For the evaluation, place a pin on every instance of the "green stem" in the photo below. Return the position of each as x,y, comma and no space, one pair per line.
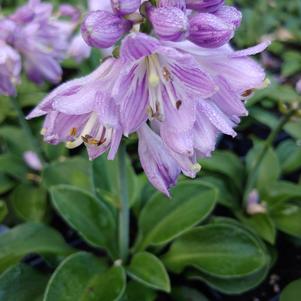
267,144
124,213
26,129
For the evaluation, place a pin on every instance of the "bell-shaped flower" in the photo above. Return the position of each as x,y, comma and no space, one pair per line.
159,83
102,29
204,5
181,4
169,23
10,68
125,7
81,111
207,30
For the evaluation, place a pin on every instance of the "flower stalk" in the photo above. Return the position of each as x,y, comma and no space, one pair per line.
124,211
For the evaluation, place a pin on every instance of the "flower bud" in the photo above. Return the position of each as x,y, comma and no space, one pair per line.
230,15
125,7
67,10
181,4
78,49
209,31
204,5
298,86
32,160
102,29
169,23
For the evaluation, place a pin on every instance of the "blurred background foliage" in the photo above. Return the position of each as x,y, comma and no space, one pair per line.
25,194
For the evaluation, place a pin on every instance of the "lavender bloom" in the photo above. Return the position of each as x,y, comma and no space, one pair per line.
32,160
99,5
204,5
78,49
169,23
125,7
93,117
229,15
10,68
67,10
103,29
207,30
160,167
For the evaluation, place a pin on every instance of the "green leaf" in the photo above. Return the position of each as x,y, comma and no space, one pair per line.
5,107
289,154
27,239
287,218
222,250
137,291
13,166
186,293
3,210
22,283
6,183
227,164
231,286
292,292
269,168
262,224
29,202
149,270
109,286
73,277
76,172
163,219
87,215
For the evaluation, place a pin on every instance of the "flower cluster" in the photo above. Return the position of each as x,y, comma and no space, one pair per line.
38,39
176,82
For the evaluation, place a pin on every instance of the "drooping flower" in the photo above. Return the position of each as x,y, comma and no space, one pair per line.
78,49
125,7
204,5
10,68
32,160
92,119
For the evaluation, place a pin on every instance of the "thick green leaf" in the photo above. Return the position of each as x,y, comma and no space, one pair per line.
76,172
22,283
109,286
281,192
226,163
6,183
262,224
186,293
222,250
29,202
27,239
137,291
87,215
234,285
150,271
163,219
12,165
5,107
287,218
3,210
289,154
269,168
73,277
292,292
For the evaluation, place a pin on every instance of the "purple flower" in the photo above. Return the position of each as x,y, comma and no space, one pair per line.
80,111
32,160
67,10
99,5
10,68
102,29
125,7
207,30
169,23
78,49
298,86
159,83
204,5
181,4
